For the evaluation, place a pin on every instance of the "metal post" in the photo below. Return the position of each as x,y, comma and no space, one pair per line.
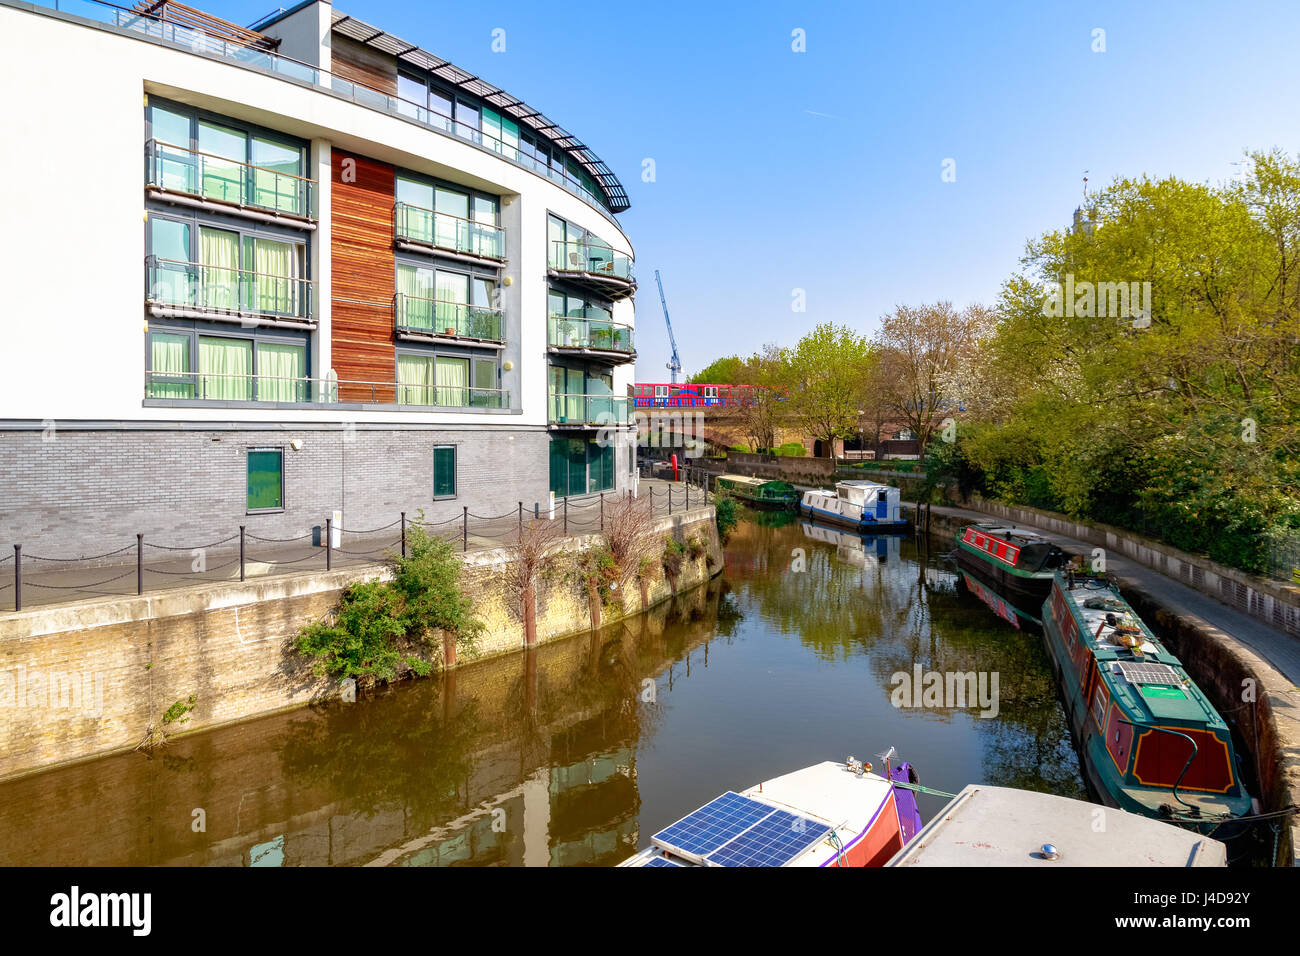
670,499
521,521
403,534
566,514
464,529
537,511
329,543
602,511
688,490
139,564
241,552
18,577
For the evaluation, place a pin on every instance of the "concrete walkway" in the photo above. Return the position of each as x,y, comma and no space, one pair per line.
168,566
1279,649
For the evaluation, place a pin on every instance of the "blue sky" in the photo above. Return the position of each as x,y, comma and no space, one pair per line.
821,170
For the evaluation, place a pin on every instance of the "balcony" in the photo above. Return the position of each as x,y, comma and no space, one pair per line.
429,231
439,320
195,290
221,388
594,265
597,337
587,411
189,177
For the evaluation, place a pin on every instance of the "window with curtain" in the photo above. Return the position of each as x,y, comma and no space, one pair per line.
575,405
271,260
444,471
226,149
275,180
219,269
452,380
556,390
451,229
169,366
415,212
265,479
415,380
173,279
281,372
453,297
415,286
225,369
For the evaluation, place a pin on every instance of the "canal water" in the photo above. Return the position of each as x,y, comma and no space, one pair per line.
577,752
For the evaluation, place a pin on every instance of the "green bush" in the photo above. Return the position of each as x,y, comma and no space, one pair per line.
791,449
383,628
727,515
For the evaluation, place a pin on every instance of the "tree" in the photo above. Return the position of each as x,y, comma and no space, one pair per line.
927,349
721,371
759,406
824,374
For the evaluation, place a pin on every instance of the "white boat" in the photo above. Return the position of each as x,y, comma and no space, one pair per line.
829,814
866,506
1001,826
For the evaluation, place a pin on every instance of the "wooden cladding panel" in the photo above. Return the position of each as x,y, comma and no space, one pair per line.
361,64
363,272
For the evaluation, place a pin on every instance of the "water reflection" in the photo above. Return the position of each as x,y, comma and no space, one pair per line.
574,753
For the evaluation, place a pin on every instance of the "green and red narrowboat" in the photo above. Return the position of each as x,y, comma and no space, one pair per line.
1017,561
1150,741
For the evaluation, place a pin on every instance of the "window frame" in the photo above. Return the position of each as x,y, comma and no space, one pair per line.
194,330
248,451
455,485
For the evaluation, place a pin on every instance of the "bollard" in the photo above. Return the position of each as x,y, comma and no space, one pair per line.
139,564
18,577
464,529
329,543
241,552
403,534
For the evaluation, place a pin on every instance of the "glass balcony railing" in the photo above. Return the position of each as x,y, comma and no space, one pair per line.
439,317
205,176
445,231
215,289
452,396
590,258
569,409
570,332
204,43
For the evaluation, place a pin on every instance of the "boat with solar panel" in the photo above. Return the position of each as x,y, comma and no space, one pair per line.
829,814
1017,560
1149,739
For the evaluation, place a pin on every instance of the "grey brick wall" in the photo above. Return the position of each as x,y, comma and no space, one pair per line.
89,491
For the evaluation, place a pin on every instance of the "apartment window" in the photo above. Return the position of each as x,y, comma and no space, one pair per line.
185,364
580,466
448,217
265,479
447,381
444,471
445,302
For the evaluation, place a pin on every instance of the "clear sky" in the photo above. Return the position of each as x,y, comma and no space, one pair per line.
823,170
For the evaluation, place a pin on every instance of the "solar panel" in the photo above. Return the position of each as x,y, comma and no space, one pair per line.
1145,673
774,841
662,861
697,834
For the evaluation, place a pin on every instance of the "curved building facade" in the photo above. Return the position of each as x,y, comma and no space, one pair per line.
258,276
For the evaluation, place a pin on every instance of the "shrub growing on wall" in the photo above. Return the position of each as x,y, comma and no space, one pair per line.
382,629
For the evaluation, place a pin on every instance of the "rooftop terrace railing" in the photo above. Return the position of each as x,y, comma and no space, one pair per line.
442,317
176,169
198,41
445,231
208,289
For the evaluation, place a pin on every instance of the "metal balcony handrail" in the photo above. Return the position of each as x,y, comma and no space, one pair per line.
470,229
199,41
324,390
302,188
467,319
615,407
618,340
288,295
575,256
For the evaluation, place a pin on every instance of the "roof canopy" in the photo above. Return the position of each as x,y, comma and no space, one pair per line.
501,101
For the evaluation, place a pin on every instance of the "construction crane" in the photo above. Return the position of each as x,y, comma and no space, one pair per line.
675,363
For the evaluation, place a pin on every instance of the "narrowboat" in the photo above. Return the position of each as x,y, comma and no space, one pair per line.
1018,561
1003,826
866,506
829,814
1150,741
759,492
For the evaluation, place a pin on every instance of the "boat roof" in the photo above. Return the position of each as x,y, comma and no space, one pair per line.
1002,826
744,479
861,483
994,529
830,793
